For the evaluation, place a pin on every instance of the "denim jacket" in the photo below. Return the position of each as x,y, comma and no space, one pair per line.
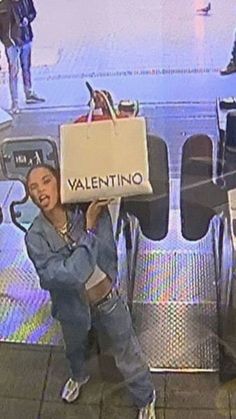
63,269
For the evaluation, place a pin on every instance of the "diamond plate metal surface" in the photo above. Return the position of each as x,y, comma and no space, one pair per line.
123,280
24,307
175,302
175,276
176,335
126,258
11,238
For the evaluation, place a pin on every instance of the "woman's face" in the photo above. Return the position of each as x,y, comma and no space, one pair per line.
43,189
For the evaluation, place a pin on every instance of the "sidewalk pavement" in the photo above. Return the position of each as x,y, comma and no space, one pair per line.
31,378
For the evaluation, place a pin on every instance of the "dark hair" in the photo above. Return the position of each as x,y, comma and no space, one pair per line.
54,171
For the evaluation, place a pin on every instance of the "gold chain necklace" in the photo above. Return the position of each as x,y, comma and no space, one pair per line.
63,231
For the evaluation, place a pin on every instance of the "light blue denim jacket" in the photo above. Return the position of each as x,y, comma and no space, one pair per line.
63,269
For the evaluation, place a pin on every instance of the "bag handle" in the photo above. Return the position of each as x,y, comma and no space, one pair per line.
110,109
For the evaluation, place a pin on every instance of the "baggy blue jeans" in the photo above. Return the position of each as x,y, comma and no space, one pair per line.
113,322
19,56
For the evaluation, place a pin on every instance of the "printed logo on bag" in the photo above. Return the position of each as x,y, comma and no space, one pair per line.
103,182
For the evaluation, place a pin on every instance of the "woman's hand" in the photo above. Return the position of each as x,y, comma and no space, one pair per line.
94,211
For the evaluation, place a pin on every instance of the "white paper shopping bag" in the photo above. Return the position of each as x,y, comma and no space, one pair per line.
103,159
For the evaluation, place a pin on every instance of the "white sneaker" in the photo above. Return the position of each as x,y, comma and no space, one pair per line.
148,412
32,97
14,110
71,389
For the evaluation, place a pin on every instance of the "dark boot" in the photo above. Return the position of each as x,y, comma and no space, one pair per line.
229,69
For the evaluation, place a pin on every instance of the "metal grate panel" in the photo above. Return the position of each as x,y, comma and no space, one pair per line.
175,301
178,335
24,307
177,276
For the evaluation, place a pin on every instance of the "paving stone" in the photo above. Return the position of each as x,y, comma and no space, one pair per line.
231,388
69,411
57,349
160,384
117,393
159,379
108,369
196,381
160,414
22,373
18,409
115,412
198,399
58,373
92,392
196,414
25,347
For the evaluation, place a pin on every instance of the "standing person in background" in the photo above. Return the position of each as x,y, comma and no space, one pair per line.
5,24
98,103
5,18
18,53
231,67
75,256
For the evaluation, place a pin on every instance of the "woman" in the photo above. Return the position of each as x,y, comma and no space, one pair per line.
75,257
231,66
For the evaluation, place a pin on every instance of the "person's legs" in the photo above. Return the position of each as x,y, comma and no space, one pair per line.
231,67
76,342
114,321
234,48
12,54
25,61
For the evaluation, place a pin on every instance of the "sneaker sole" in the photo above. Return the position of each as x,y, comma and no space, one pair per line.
77,390
30,102
227,73
13,113
73,396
